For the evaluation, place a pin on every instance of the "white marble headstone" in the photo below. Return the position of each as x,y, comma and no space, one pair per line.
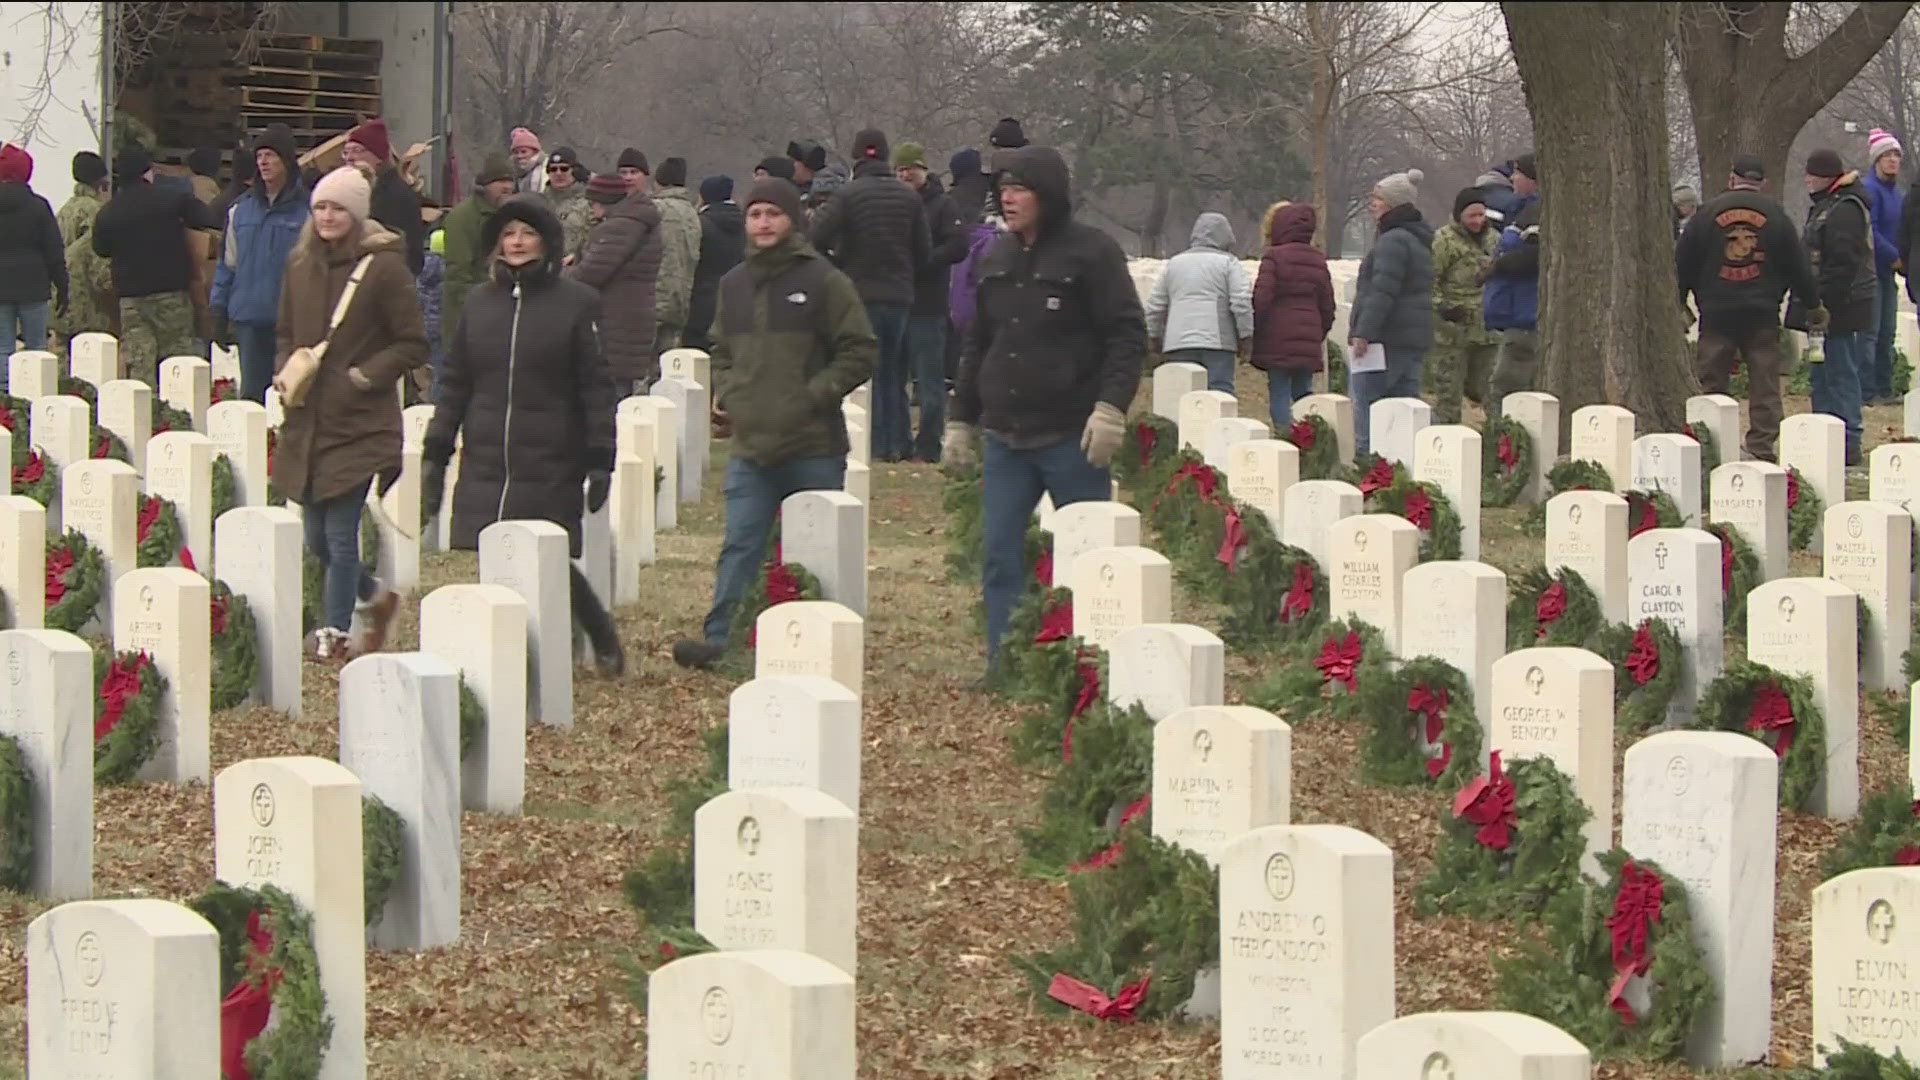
165,612
1472,1046
810,637
1457,611
1259,472
1337,411
1219,771
1587,533
530,557
481,630
751,1015
180,470
1394,425
126,409
795,731
23,560
1166,667
1367,557
1088,526
1603,434
1448,457
1539,414
1310,509
1806,626
1674,575
48,708
1198,410
825,531
1816,444
239,433
1174,381
776,869
257,554
1119,587
1869,548
1865,950
33,374
1750,497
1557,703
1670,463
186,384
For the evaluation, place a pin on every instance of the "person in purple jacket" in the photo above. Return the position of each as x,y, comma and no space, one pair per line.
1884,199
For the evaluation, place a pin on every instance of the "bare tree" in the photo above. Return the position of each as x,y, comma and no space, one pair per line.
1887,90
530,59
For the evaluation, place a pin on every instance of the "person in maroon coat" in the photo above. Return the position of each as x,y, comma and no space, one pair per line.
1292,309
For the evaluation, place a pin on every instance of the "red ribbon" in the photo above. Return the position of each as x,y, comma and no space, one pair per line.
1108,855
1908,855
1056,622
186,559
7,419
222,390
1204,478
149,513
1645,515
1088,999
1145,436
29,471
1771,711
1299,598
245,1011
1419,509
1233,537
1504,451
1339,660
1378,478
1083,699
1548,609
1043,569
58,564
217,611
1488,803
1301,434
1432,705
1636,908
1726,560
122,683
1793,488
1643,655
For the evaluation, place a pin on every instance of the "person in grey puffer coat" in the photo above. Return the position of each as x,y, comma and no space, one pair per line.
1392,300
1201,310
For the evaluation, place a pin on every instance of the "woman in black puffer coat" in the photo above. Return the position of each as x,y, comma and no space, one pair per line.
526,382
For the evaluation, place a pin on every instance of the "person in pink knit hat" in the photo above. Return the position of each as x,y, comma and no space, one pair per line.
529,163
1884,199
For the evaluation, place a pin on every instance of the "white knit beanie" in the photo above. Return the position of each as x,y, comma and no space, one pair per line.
345,186
1401,188
1879,141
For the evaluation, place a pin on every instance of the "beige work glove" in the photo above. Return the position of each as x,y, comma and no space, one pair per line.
959,447
1817,319
1101,439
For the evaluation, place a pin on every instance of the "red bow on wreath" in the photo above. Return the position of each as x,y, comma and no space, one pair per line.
1908,855
1793,489
1548,609
1083,699
102,447
1488,803
1043,569
244,1012
1378,478
1339,660
1145,436
7,419
1299,598
1056,622
1771,711
29,471
216,612
1419,509
1301,435
1726,560
58,564
149,513
1432,705
1088,999
1636,908
1646,515
1233,537
1504,451
1106,856
1204,478
222,390
1643,656
122,682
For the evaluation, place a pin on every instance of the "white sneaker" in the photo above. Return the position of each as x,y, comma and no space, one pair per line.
329,643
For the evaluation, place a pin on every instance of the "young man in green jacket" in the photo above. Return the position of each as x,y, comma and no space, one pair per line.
466,261
790,339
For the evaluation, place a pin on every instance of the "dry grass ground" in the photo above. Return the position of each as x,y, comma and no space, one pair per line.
537,985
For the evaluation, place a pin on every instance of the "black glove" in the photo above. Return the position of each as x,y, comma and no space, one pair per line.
433,487
1454,313
599,483
60,303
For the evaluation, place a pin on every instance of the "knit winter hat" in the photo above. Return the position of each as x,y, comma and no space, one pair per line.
345,186
1400,188
909,153
1826,163
1684,195
1749,167
16,165
965,163
673,173
373,136
88,168
1468,197
870,144
631,158
1879,142
716,189
1007,134
606,188
810,154
131,163
781,167
772,189
494,166
523,137
204,161
1525,166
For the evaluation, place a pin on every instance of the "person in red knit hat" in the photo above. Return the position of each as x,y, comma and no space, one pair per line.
33,262
395,205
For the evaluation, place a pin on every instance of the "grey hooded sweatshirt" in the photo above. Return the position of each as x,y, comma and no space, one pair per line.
1204,298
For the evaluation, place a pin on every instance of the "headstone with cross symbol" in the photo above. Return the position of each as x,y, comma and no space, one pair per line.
1866,942
1557,703
795,731
1472,1046
1807,626
1218,771
165,612
765,1014
1674,575
776,869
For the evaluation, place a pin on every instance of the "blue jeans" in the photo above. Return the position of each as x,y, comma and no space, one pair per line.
1218,362
333,535
1836,383
927,348
754,493
1283,389
1014,481
1401,379
257,344
1877,342
26,321
892,426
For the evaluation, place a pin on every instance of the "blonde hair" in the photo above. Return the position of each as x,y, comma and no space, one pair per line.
311,247
1266,220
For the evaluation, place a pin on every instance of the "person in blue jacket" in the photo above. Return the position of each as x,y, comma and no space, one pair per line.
1511,298
1884,201
263,223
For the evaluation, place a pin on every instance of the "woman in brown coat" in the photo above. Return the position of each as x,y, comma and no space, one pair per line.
347,430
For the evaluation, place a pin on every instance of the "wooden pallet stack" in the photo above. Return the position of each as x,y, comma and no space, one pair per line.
317,86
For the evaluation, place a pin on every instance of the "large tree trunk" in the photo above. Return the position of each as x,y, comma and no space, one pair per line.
1609,323
1749,96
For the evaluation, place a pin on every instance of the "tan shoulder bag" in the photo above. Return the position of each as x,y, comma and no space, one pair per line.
296,375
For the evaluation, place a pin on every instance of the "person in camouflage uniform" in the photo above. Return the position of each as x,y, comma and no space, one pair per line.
567,194
142,230
1463,347
90,301
679,252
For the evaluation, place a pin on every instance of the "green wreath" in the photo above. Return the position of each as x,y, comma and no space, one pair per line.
473,719
1152,912
661,889
226,486
1040,670
126,714
1556,608
1887,833
1651,510
1576,474
1531,855
1111,767
1748,698
369,540
1854,1061
1188,517
167,418
1739,573
1396,750
16,817
966,522
1428,508
1564,978
382,855
1804,510
76,578
73,386
1321,676
1276,596
158,533
35,475
1146,458
293,1048
1319,447
790,581
104,445
1709,452
16,415
235,647
1646,672
1505,471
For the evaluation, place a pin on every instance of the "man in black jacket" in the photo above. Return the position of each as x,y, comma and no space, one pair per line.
927,323
1738,255
1839,241
1049,365
723,243
395,205
875,230
143,230
33,262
